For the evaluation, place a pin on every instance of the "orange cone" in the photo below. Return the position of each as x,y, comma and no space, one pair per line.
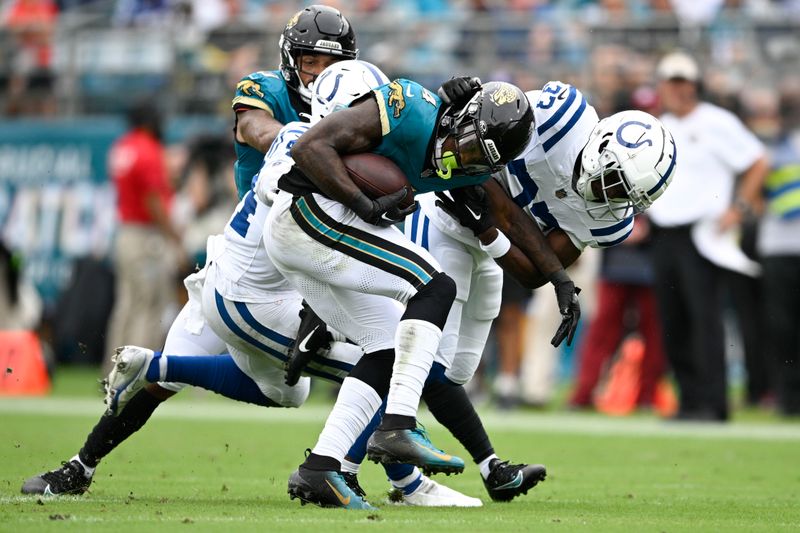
622,388
24,372
665,401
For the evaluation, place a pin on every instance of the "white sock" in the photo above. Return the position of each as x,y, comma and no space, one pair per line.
413,477
88,471
350,467
355,406
416,342
484,465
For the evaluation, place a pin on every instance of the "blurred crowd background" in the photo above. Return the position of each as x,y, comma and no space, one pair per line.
70,69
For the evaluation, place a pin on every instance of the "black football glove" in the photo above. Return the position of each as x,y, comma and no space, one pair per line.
384,211
468,205
568,305
458,91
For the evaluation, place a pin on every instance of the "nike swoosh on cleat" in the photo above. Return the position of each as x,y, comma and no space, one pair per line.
442,456
47,491
304,343
514,483
345,501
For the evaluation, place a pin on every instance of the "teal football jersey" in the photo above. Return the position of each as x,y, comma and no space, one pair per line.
265,90
409,113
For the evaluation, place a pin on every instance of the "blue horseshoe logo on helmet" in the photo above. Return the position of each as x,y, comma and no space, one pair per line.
625,143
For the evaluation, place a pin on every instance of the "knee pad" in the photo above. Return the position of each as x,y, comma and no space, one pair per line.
375,369
433,301
486,292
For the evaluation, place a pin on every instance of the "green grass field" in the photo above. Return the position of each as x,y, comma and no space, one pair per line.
207,464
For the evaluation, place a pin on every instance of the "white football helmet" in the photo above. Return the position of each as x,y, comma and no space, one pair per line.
342,83
631,155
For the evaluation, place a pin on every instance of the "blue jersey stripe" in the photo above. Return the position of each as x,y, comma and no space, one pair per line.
615,241
549,143
239,332
414,224
333,363
261,328
425,232
668,172
609,230
529,187
549,123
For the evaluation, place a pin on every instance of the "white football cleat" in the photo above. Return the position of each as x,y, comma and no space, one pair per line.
127,377
432,494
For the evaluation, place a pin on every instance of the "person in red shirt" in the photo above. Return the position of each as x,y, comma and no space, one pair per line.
146,238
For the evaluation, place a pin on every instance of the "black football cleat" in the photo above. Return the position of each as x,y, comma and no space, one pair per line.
326,488
312,335
69,479
411,446
506,481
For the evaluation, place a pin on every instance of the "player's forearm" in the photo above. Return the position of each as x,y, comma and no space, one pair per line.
520,267
322,164
748,196
257,129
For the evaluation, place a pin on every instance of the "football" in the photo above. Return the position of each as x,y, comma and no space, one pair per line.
377,176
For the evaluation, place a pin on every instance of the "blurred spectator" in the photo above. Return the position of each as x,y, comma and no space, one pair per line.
32,24
626,302
510,330
20,305
539,374
207,193
779,249
147,244
692,222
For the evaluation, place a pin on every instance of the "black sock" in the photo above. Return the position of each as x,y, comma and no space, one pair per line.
112,430
321,462
391,422
451,407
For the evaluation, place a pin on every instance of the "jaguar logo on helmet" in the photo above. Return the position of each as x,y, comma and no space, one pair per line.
504,94
292,21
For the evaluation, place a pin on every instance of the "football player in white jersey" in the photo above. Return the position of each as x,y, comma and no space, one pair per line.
580,180
238,305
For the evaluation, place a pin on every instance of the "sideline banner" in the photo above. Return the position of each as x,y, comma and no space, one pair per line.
56,202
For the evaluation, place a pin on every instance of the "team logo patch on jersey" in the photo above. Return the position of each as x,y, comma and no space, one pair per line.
504,94
396,99
250,88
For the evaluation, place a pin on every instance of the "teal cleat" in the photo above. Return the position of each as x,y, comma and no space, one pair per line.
325,488
411,446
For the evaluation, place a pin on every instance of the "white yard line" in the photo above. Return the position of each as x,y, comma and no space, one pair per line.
520,422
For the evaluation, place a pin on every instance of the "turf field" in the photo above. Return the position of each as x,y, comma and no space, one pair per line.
206,464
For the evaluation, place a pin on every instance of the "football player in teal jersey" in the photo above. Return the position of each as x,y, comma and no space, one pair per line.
362,262
266,100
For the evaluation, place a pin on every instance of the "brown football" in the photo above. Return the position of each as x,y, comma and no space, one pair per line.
377,176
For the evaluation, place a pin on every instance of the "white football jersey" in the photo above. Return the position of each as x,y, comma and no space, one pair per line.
540,180
247,270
